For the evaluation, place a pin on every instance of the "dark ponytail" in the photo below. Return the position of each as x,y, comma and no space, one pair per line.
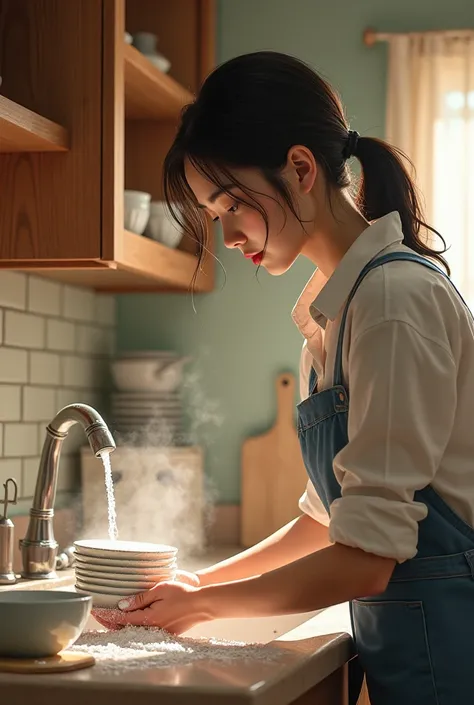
250,111
387,186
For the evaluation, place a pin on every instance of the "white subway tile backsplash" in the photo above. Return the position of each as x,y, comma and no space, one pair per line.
94,340
39,404
24,330
60,335
10,467
13,365
12,289
10,402
67,396
20,440
79,304
41,429
28,475
77,371
44,296
89,339
105,309
45,368
55,347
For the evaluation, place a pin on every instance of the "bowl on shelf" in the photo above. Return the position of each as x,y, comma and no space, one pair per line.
161,226
148,374
41,623
160,61
146,43
136,211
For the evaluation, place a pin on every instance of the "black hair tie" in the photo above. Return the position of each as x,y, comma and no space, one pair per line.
350,150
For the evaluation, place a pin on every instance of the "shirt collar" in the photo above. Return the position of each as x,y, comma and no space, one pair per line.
322,298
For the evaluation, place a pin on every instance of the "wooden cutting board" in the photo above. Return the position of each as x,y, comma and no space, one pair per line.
273,476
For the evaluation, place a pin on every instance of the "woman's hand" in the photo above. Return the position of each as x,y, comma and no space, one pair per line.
173,606
184,576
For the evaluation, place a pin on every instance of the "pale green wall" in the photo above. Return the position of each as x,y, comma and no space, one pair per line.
242,335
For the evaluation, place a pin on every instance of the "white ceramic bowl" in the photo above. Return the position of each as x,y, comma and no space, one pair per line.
162,227
160,61
150,375
40,623
136,211
124,550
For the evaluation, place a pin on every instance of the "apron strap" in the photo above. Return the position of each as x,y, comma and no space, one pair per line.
377,262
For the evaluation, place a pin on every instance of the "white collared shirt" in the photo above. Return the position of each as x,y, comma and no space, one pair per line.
408,364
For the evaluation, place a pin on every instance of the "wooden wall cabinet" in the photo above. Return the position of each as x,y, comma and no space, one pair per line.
83,115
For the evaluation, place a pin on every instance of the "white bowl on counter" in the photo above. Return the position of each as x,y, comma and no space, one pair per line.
40,623
161,226
136,211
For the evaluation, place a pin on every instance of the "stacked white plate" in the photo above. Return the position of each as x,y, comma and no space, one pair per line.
147,411
110,570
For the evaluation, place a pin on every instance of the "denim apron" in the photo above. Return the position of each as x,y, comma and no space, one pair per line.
415,642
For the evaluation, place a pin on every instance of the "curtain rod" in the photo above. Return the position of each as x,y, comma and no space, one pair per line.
371,36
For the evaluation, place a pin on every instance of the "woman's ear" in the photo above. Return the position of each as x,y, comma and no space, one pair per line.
301,168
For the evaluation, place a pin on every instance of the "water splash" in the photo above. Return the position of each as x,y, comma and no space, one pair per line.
109,487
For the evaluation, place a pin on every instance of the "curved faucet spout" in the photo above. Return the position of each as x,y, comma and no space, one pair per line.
39,547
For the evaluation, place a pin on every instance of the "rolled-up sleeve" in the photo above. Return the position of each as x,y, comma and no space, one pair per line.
402,389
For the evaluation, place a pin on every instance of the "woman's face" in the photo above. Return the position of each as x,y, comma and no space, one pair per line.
244,228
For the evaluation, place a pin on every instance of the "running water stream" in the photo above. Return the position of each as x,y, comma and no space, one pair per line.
109,486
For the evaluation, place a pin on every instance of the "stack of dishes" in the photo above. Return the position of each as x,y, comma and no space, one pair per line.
148,397
110,570
148,412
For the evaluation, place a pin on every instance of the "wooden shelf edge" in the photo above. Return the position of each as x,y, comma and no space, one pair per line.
151,259
150,93
144,266
22,130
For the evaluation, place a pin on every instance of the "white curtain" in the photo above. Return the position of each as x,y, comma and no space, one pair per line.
430,116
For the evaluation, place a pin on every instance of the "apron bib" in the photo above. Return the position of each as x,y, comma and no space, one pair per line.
415,642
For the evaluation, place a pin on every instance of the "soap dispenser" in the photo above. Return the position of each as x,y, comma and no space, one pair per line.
7,576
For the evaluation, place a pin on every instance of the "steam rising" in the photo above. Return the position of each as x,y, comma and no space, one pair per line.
160,494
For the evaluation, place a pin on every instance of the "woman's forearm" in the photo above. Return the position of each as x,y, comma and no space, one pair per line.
328,577
296,539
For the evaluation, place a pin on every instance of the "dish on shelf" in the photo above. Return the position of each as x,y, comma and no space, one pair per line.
136,211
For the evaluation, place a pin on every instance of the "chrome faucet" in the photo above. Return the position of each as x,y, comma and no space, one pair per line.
39,547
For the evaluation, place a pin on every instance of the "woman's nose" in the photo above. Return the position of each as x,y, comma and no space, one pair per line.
234,238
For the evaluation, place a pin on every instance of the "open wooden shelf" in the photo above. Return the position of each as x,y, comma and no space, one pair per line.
143,265
152,259
22,130
150,94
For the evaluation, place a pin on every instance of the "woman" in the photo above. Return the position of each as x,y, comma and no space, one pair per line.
387,373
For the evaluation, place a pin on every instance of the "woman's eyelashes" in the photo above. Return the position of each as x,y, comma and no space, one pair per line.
233,209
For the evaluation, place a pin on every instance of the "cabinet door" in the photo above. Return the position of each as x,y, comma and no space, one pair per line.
51,63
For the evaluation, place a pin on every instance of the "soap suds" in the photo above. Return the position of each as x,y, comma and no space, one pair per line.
150,647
